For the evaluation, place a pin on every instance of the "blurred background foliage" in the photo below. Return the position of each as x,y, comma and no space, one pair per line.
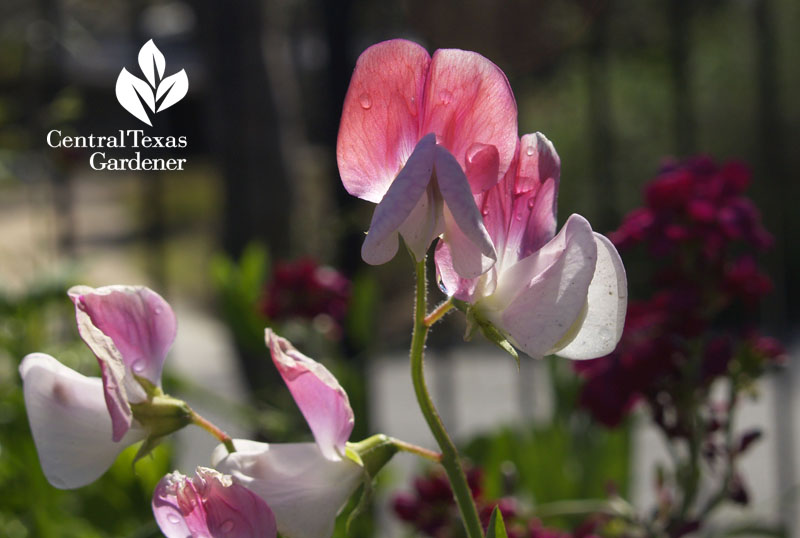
617,85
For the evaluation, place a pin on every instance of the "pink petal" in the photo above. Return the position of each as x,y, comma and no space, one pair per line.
399,204
468,101
538,161
453,284
69,422
304,489
608,300
538,301
482,167
319,396
128,328
472,250
210,504
380,124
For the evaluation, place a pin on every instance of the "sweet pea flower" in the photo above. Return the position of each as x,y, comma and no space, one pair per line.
419,136
305,484
210,505
80,424
547,293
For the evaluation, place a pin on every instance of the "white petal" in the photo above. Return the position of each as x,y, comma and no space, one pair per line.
69,422
552,295
608,301
304,490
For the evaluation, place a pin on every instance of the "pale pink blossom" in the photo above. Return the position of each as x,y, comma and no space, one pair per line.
418,136
564,294
80,424
305,484
210,505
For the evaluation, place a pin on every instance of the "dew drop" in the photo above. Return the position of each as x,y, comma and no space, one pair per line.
474,150
365,100
227,526
57,482
157,311
485,212
138,366
173,518
445,97
530,151
531,203
411,103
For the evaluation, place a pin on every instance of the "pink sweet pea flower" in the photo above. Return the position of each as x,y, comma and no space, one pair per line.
305,484
80,424
210,505
547,293
419,136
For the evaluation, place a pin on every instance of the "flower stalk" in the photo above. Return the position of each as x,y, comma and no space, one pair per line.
449,457
214,430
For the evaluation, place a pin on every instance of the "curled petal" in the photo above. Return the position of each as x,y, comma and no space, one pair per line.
607,302
380,125
129,329
304,489
400,201
210,504
69,422
319,396
539,299
468,101
472,250
538,161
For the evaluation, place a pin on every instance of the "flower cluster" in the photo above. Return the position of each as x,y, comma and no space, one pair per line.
430,510
452,167
305,289
81,424
703,231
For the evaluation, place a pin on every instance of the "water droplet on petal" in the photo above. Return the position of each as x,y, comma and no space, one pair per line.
173,518
57,482
530,150
531,203
138,366
474,150
365,100
411,104
445,97
227,526
158,310
485,212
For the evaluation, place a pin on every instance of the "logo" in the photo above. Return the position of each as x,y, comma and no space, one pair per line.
157,92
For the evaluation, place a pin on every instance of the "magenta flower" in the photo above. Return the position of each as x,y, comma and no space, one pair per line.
419,136
210,505
305,484
547,293
80,424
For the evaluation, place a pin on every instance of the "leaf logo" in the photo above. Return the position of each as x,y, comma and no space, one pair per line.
158,92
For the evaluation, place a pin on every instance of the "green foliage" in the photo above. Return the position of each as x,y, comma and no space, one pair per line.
240,285
497,528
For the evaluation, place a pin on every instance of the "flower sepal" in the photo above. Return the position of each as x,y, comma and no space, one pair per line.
159,415
373,453
476,322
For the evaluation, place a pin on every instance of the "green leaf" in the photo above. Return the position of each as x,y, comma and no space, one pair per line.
497,528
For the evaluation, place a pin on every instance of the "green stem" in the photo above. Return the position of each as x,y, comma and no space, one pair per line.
417,450
438,313
204,423
450,459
